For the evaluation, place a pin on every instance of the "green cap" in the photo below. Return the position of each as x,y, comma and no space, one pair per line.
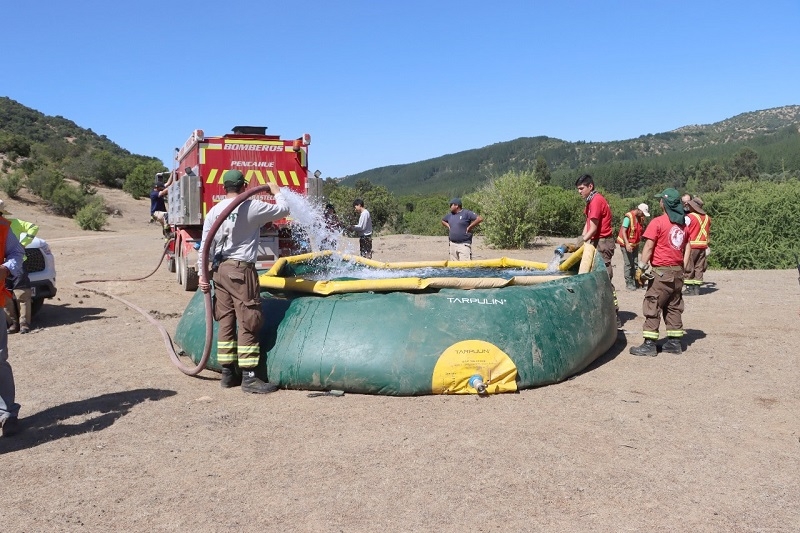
670,195
233,177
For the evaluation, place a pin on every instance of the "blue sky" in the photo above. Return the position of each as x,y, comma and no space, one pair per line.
380,83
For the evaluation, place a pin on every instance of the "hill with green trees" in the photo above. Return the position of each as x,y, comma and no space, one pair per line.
757,145
60,162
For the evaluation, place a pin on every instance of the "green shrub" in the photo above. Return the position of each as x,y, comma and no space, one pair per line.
141,180
44,181
509,205
559,211
92,216
67,200
754,225
11,184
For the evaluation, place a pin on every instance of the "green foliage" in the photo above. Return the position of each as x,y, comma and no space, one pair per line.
762,144
754,225
422,215
542,170
509,204
44,181
92,216
142,178
381,205
67,200
559,212
12,183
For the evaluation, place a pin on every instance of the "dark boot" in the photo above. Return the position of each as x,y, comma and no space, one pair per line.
672,345
231,377
24,328
647,348
692,290
619,323
250,383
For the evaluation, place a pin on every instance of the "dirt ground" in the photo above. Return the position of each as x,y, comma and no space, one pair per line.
118,439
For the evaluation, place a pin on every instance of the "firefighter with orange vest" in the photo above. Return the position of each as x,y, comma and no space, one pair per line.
629,237
698,228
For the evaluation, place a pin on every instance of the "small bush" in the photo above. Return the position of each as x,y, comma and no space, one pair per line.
92,216
508,204
67,200
44,181
11,184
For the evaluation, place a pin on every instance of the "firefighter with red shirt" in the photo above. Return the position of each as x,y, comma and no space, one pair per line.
698,228
598,230
663,262
630,234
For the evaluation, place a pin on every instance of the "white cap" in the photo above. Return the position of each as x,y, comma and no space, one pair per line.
644,209
3,208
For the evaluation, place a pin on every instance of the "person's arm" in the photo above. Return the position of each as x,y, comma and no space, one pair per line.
15,254
628,245
29,231
478,220
445,224
362,223
647,253
590,230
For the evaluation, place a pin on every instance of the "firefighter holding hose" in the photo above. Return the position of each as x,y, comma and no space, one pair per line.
237,293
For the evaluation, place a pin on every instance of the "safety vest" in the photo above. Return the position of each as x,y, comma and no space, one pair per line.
5,227
634,231
698,231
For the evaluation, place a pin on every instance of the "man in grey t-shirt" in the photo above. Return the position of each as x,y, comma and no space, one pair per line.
460,222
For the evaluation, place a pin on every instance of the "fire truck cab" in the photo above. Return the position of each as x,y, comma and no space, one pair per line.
195,186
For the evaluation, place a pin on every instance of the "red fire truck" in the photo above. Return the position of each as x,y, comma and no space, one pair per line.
195,186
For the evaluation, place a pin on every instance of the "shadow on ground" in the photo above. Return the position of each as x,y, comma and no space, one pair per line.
92,414
65,314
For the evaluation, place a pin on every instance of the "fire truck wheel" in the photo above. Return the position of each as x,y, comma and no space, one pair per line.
178,262
190,277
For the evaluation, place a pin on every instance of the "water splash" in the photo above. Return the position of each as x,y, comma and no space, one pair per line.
554,263
310,228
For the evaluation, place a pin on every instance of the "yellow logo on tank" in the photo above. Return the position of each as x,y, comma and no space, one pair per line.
467,363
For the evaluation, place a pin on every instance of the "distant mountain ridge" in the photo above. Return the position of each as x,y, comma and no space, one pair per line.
770,130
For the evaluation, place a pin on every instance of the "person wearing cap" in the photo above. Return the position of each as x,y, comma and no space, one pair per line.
630,233
237,293
699,228
598,230
19,320
663,259
12,257
363,229
460,222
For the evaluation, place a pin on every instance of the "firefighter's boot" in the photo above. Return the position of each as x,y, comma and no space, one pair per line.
648,348
673,345
250,383
13,325
231,377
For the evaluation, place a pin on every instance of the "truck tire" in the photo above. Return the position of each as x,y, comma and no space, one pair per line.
178,262
190,277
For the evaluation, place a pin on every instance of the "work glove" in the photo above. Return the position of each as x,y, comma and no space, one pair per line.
644,273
